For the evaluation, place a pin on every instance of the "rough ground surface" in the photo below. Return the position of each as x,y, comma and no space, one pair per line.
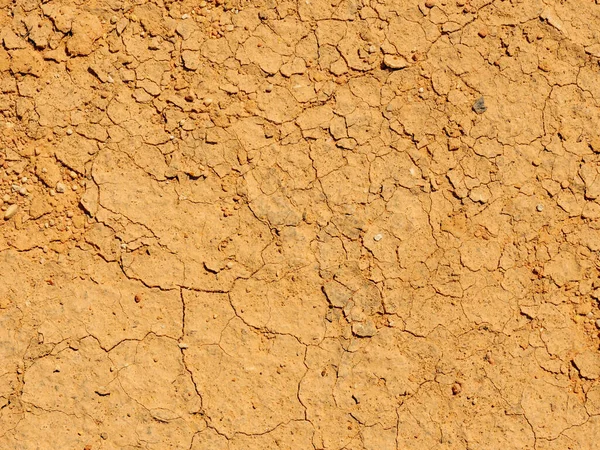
322,224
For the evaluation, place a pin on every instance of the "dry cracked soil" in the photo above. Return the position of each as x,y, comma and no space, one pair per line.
312,224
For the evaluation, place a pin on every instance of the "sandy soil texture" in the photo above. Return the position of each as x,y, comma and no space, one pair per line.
312,224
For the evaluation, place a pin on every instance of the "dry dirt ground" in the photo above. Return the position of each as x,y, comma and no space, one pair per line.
312,224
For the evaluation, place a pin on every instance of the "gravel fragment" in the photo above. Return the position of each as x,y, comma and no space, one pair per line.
60,188
479,106
378,237
539,207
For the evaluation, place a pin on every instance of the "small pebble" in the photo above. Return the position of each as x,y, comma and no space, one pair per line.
539,207
182,345
10,212
479,106
69,132
104,436
60,188
377,237
185,16
23,191
74,187
24,180
429,3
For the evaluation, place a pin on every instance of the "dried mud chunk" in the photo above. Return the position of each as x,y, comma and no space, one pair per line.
103,238
39,206
27,61
216,50
191,60
364,329
407,36
151,18
4,61
564,268
86,29
588,364
74,152
11,40
48,171
254,51
337,294
394,62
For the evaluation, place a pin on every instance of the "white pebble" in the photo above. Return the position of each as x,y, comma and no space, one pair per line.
539,207
60,188
10,212
69,132
23,191
24,180
378,237
182,345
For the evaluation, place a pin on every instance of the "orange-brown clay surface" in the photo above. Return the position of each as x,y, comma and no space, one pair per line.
312,224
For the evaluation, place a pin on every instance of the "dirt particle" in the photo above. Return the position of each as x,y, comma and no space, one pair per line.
137,298
456,388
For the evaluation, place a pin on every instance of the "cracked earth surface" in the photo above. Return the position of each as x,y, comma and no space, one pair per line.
313,224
